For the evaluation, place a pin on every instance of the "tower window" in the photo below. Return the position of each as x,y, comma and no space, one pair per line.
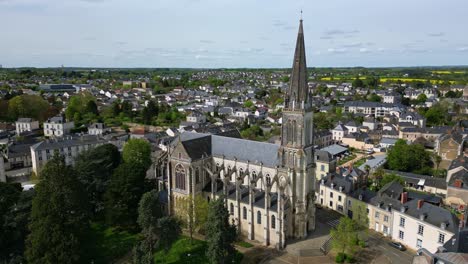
273,222
259,217
244,213
231,209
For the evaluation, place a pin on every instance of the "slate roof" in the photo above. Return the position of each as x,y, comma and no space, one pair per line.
200,145
244,150
459,175
24,120
335,149
414,179
460,161
322,155
435,215
66,142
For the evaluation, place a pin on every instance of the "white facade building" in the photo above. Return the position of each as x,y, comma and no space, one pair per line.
57,127
26,125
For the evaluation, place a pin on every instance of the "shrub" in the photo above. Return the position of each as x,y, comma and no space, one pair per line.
340,258
350,259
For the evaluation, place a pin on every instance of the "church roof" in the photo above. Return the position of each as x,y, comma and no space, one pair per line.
242,149
203,145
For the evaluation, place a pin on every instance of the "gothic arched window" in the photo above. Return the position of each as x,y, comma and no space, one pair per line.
268,179
259,217
180,177
231,209
244,213
273,222
197,175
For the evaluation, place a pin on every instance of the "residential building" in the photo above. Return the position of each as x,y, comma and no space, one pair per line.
339,132
26,125
57,127
326,164
97,129
69,147
419,224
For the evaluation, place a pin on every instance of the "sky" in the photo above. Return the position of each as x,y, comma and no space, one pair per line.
232,33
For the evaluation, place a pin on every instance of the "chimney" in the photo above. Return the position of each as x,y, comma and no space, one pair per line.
458,183
420,204
404,197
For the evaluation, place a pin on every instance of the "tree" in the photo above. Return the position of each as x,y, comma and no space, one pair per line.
137,151
169,230
9,195
408,158
26,105
126,186
422,98
149,212
192,212
437,115
59,216
387,178
374,98
91,108
79,104
15,229
219,233
345,236
357,83
436,159
94,169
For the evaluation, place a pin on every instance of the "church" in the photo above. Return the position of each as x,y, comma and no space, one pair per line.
268,188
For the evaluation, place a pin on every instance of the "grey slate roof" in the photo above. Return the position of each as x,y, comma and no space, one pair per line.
322,155
435,215
242,149
200,145
335,149
65,142
24,120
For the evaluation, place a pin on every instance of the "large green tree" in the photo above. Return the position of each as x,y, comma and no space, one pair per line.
345,236
137,151
408,157
59,217
124,191
26,105
94,169
79,104
149,212
219,233
192,212
15,229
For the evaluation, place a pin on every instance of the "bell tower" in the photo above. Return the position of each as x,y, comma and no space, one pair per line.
297,151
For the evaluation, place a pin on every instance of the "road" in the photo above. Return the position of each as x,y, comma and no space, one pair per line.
379,244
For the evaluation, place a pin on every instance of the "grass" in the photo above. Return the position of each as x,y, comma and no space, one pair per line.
107,244
346,159
360,162
180,250
244,244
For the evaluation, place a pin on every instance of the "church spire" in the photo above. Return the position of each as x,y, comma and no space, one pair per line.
298,92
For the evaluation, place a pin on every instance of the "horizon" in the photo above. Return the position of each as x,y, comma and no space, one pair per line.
202,35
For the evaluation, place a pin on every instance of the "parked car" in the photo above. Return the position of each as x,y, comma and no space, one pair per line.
397,245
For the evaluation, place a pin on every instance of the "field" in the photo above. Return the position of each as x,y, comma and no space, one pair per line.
387,79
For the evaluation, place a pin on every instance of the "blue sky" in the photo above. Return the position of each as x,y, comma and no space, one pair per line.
237,33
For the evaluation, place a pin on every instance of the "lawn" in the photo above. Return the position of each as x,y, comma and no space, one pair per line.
184,252
107,244
346,159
